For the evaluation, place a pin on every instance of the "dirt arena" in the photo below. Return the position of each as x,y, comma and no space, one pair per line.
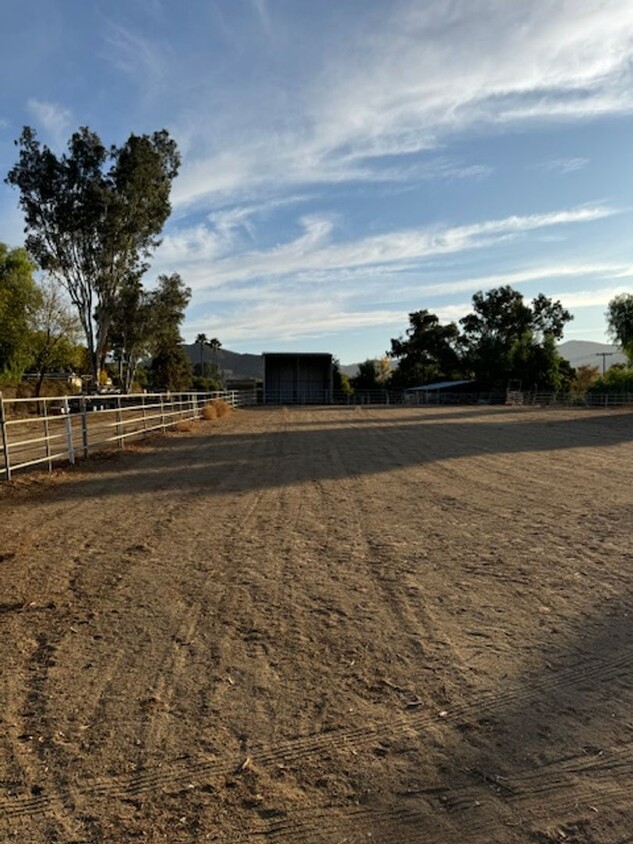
325,625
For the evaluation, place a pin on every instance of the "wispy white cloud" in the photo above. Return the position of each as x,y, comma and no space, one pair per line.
529,275
202,244
600,297
230,218
401,82
270,103
297,320
314,250
262,11
329,287
142,59
563,165
306,317
53,118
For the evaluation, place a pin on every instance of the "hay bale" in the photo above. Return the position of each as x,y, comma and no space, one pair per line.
209,411
222,408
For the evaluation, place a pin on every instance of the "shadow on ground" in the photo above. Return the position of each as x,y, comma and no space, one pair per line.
302,450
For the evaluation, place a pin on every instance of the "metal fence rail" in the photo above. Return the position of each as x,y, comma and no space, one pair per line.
518,397
610,400
575,400
43,431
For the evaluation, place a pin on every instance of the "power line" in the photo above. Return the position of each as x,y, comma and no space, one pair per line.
604,356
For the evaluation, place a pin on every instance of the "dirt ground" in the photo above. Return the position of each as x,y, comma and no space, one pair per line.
325,625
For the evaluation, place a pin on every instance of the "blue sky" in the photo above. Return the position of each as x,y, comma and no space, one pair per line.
348,161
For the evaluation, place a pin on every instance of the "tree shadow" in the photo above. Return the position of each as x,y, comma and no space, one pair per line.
301,451
546,757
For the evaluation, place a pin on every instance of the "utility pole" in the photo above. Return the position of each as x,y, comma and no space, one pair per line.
604,356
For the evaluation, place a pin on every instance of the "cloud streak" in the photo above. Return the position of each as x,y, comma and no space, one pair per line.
320,144
313,249
401,83
562,165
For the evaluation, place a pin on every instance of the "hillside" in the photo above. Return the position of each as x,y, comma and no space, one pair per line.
576,352
233,364
236,365
588,353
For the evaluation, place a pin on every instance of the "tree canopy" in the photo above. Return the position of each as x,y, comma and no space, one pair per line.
170,367
146,326
503,339
19,301
367,376
620,322
93,217
55,334
427,353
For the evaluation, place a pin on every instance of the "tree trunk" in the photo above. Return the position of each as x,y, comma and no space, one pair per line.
39,382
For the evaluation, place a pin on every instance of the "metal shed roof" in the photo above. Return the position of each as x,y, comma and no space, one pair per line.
439,385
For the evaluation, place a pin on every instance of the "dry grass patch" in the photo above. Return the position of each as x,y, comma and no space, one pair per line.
184,427
216,409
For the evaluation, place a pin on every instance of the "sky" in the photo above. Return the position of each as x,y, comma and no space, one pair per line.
347,162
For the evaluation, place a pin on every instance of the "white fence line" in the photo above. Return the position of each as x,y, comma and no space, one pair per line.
42,431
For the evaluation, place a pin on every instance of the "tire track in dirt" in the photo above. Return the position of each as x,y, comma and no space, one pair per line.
385,567
403,565
192,771
34,765
280,503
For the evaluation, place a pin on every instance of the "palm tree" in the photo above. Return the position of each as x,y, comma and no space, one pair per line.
215,345
201,340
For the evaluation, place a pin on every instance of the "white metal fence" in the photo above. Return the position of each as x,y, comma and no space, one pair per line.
44,431
574,400
517,397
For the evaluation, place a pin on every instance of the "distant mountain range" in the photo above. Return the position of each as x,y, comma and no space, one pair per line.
233,364
351,369
236,365
587,353
576,352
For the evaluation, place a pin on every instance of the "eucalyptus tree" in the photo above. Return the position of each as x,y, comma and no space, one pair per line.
170,367
93,217
146,327
620,322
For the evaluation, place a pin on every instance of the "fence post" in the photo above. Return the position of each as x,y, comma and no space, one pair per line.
162,411
84,424
69,431
144,414
5,441
47,444
118,421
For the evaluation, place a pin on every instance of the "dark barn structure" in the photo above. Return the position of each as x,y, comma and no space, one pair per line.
297,378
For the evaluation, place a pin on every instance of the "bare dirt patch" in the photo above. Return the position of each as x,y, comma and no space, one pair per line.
325,625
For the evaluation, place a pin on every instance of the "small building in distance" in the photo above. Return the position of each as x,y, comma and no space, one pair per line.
297,378
442,392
